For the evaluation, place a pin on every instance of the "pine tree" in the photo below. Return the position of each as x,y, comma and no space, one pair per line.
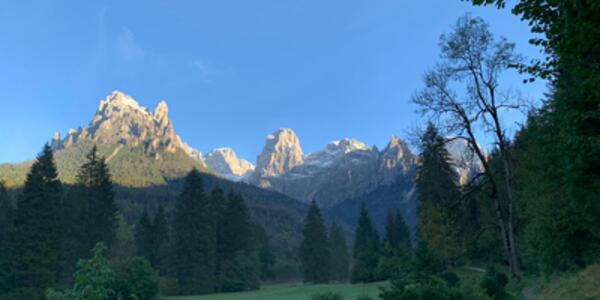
265,253
89,213
37,231
404,244
220,202
392,235
239,264
7,215
438,197
101,210
144,237
340,259
194,238
314,250
161,241
366,250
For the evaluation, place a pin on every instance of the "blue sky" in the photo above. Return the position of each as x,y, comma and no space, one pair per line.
231,71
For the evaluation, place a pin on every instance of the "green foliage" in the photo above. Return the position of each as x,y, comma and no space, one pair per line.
37,233
89,212
194,237
7,215
93,279
494,283
366,250
136,279
327,296
239,265
438,197
558,168
339,256
144,237
314,250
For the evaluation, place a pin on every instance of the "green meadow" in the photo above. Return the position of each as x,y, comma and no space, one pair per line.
294,292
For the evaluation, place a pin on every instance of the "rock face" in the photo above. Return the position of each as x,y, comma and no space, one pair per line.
343,169
119,119
281,153
225,163
464,161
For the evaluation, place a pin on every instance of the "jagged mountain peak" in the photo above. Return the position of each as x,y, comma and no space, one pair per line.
120,119
347,145
281,153
225,162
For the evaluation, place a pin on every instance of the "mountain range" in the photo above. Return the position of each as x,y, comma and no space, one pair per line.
144,151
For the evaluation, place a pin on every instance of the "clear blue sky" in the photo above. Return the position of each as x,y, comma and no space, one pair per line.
231,71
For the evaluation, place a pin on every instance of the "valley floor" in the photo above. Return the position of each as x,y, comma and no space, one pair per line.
294,292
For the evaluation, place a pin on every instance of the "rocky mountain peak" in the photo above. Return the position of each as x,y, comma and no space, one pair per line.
395,159
121,120
347,145
224,162
161,113
281,153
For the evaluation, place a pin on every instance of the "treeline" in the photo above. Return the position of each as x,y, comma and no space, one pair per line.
207,244
325,257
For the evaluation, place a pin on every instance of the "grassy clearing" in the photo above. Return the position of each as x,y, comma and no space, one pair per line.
294,292
582,285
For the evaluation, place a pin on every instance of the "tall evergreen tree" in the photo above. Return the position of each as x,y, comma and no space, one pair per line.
161,241
366,250
314,250
239,266
265,253
340,258
403,233
37,231
437,196
392,236
101,210
194,238
7,215
89,213
144,237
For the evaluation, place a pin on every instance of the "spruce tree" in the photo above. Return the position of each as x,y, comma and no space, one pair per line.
392,236
314,250
404,244
194,238
161,241
144,237
366,250
7,214
89,213
340,258
239,264
265,253
101,210
438,197
37,231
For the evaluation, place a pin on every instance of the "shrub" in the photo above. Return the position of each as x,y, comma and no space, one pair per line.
493,283
327,296
364,297
136,279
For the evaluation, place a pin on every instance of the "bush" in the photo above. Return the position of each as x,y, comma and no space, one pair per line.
327,296
136,279
493,283
364,297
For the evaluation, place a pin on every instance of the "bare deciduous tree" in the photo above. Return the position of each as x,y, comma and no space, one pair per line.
472,62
